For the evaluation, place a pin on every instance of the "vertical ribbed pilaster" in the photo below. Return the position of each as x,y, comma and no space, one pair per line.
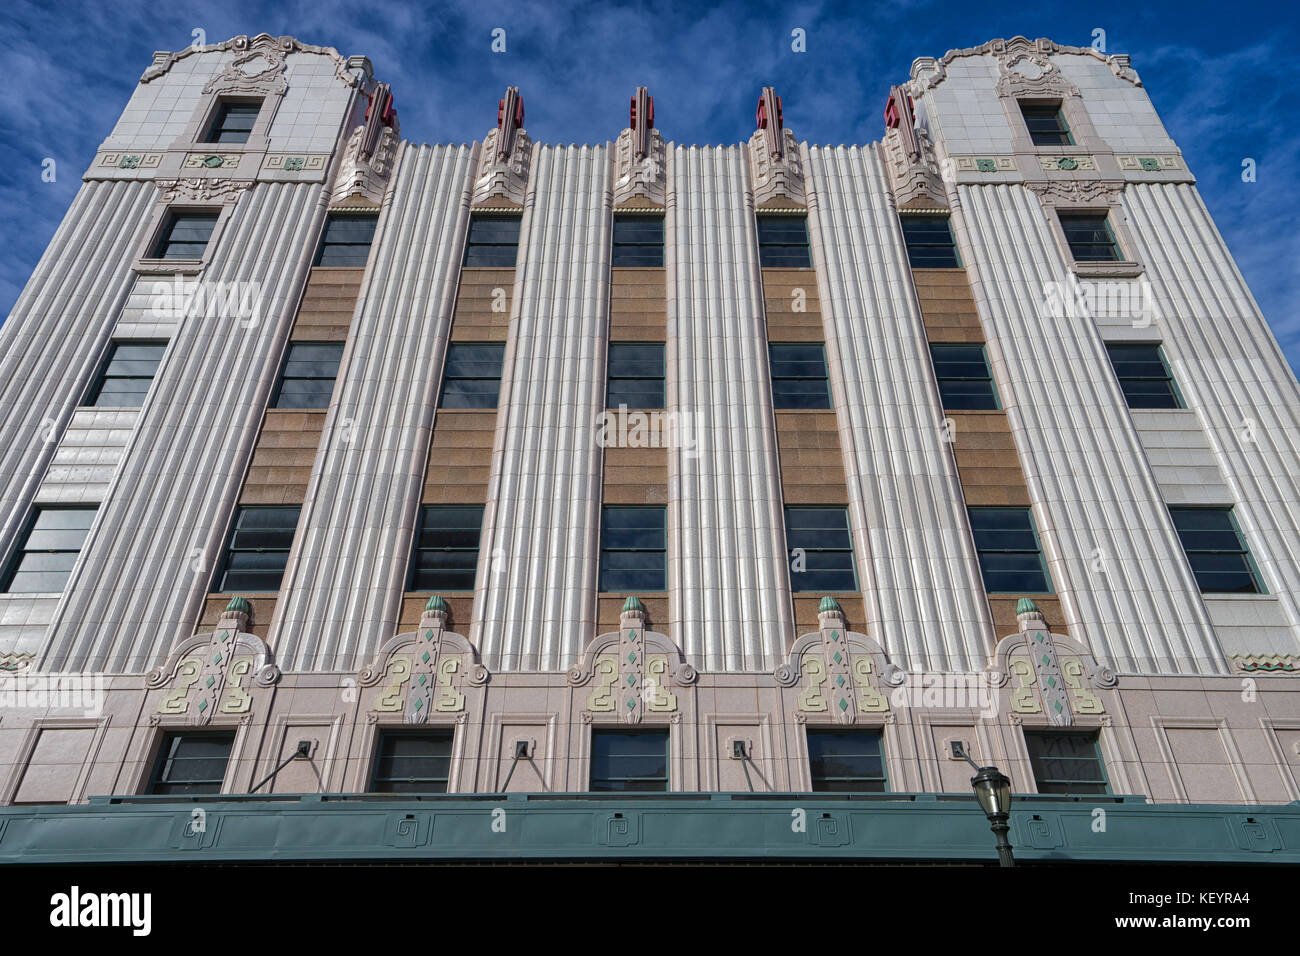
343,588
53,339
730,602
536,601
917,562
1115,559
148,561
1231,372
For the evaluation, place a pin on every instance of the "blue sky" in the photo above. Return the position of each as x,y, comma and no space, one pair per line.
1216,73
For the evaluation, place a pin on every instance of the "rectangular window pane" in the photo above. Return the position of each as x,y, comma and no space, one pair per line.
636,375
1143,375
446,548
309,373
346,242
233,123
1046,125
799,376
1010,557
623,760
258,549
638,241
186,235
783,242
493,241
820,549
44,562
965,379
191,763
846,761
127,374
633,549
472,378
929,242
1089,237
412,763
1216,550
1066,763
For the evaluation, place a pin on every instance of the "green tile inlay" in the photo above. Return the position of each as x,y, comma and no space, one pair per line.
631,704
1057,705
203,705
425,657
838,658
844,704
211,681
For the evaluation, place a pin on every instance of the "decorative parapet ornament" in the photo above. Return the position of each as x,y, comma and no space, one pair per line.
507,154
1049,675
837,673
258,66
424,673
1026,69
640,157
1020,63
631,672
216,674
368,158
909,155
774,162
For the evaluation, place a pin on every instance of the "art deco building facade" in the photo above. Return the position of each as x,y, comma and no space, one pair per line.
646,467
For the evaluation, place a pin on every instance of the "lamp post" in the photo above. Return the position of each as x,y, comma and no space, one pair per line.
993,791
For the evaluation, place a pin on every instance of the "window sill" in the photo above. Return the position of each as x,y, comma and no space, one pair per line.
1237,596
169,266
1107,270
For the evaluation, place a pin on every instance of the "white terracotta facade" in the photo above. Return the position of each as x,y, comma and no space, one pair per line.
1194,697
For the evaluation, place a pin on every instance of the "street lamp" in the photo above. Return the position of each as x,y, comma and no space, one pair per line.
993,791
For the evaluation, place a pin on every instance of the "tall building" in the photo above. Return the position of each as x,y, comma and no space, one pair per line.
634,468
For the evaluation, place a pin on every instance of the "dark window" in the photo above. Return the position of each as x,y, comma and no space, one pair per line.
1010,558
346,241
783,242
929,242
185,236
1144,376
191,763
127,375
1046,125
49,552
309,373
633,550
473,375
846,761
636,375
411,763
821,549
629,760
1216,550
233,123
1089,237
1066,762
493,241
259,549
965,380
446,548
799,377
638,240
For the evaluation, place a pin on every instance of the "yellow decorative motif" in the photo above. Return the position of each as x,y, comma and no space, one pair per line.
658,699
391,697
812,699
870,700
237,699
1082,700
187,675
451,698
601,700
1023,699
